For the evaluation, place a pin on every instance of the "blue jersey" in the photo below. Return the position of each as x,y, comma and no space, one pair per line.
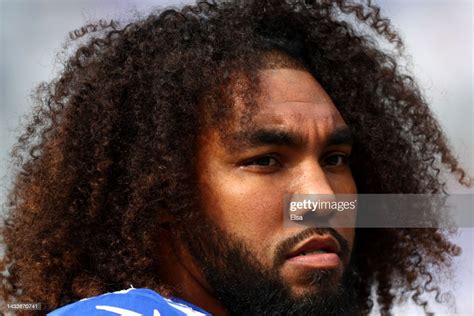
131,302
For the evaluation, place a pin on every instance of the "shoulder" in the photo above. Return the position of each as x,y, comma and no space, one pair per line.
131,302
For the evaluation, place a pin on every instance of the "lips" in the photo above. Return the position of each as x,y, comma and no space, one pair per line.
316,245
316,252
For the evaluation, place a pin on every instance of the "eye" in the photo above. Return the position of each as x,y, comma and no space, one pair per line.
336,160
263,161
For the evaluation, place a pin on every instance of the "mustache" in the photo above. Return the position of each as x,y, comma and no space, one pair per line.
285,246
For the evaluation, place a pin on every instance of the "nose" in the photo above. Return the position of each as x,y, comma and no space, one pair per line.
313,180
312,185
317,199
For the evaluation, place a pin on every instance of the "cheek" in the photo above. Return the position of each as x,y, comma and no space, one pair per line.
342,183
251,210
348,233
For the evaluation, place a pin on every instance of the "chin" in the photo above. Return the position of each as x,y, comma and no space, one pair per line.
320,282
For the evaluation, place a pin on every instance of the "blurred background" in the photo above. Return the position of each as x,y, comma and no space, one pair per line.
438,35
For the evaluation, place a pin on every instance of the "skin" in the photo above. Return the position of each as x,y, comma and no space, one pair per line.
243,184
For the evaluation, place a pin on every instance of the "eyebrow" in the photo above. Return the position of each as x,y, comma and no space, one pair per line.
340,136
282,137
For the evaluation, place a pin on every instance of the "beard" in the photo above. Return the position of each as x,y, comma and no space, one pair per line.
245,287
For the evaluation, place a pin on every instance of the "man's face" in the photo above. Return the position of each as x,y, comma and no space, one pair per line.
297,143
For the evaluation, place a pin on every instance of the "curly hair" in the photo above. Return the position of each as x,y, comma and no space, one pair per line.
110,147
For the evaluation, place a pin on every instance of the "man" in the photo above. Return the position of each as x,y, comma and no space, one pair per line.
161,156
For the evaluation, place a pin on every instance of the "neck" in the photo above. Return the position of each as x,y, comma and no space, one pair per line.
180,272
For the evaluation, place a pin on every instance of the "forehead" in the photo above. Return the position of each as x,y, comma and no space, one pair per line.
289,96
294,94
286,84
289,101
